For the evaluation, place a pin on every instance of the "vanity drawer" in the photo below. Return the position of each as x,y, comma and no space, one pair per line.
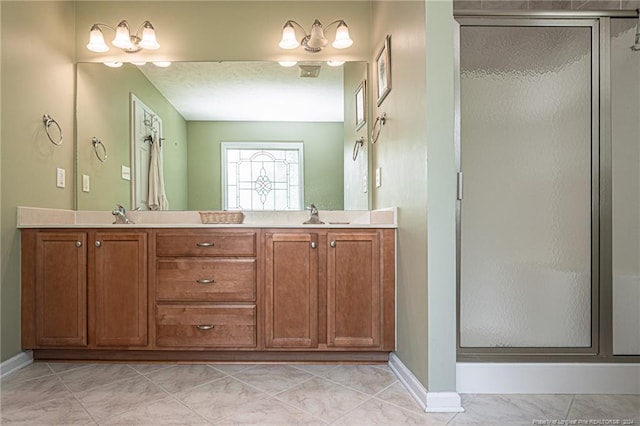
206,326
206,279
205,243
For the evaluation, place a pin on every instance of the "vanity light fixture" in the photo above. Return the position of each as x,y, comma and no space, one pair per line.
123,39
315,41
287,64
335,63
113,64
162,64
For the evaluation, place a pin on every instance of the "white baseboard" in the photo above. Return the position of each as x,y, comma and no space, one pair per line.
15,363
592,378
431,402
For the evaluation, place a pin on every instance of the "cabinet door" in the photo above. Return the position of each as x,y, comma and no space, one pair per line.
61,289
291,296
120,282
353,289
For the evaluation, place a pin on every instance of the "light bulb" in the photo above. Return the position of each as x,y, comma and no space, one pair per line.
342,40
123,37
287,64
113,64
288,37
162,64
148,37
96,40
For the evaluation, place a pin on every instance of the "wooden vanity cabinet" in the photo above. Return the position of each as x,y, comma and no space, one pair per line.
205,289
330,289
84,288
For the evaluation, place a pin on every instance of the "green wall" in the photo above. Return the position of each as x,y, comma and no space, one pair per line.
103,111
323,175
37,78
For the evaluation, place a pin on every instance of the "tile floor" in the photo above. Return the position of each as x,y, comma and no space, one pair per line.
223,394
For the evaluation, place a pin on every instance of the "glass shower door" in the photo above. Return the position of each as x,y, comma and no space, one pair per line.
625,167
527,145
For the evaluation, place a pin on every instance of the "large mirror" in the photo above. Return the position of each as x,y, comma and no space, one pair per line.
292,129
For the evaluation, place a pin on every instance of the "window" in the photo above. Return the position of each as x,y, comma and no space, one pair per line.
262,176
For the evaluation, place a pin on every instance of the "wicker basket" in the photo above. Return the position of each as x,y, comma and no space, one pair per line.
221,217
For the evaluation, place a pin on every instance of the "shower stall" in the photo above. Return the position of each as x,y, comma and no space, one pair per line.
548,152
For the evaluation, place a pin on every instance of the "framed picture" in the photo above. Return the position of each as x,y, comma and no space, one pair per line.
361,111
383,70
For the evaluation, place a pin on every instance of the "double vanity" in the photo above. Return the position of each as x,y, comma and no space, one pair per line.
169,288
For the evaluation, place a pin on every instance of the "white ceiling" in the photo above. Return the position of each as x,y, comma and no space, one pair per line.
249,91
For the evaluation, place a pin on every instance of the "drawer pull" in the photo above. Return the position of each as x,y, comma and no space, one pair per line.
313,244
206,244
205,281
205,327
332,244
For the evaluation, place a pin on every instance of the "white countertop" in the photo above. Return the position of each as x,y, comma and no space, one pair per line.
33,217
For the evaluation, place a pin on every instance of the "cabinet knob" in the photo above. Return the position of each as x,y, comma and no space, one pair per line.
332,244
98,243
205,281
206,244
78,243
313,244
205,327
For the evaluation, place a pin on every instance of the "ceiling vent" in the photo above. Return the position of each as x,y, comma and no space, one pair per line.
311,71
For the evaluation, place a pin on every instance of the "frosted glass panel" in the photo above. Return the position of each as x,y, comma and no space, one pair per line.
625,115
526,213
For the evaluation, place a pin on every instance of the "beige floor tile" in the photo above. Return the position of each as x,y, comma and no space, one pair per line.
65,411
164,412
270,412
146,368
63,367
19,395
397,394
606,407
182,377
511,409
96,375
364,378
319,369
116,398
322,398
273,378
376,412
31,371
232,369
220,398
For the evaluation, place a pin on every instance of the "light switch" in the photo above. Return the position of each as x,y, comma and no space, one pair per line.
126,173
86,183
60,177
378,177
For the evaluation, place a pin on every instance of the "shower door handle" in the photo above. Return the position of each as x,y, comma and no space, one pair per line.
459,185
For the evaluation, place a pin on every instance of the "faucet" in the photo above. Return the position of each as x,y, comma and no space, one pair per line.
314,219
121,215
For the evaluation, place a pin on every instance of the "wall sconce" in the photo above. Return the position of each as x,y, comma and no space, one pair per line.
123,39
315,41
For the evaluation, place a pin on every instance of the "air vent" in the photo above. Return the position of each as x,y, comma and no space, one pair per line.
311,71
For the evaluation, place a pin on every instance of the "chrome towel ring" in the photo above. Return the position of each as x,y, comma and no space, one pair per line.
377,127
100,149
356,147
48,121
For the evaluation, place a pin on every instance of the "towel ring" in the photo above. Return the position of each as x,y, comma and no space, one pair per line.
377,127
48,121
356,147
100,149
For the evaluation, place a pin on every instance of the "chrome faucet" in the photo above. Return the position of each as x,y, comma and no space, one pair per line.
121,215
314,219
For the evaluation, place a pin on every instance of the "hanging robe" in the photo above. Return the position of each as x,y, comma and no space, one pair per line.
157,196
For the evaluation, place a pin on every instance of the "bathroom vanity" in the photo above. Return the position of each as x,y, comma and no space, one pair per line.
191,292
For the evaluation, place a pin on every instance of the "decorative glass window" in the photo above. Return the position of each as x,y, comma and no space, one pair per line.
262,176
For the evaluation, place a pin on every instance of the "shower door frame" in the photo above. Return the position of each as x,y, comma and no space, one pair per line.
598,152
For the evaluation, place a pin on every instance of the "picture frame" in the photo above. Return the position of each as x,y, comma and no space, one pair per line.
361,105
383,71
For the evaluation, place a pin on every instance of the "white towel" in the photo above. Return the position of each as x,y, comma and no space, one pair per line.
157,197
